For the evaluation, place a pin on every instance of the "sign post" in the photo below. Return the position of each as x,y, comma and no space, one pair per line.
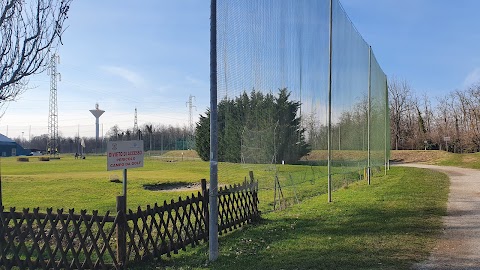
446,139
122,155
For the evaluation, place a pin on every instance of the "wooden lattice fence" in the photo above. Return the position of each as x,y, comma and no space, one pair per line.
56,240
66,240
237,205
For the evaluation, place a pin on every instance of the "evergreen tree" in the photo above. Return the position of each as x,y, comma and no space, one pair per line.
202,136
258,128
290,139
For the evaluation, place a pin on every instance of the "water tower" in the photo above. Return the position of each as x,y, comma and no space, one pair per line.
97,113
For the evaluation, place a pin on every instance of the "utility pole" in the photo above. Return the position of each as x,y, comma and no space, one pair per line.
52,143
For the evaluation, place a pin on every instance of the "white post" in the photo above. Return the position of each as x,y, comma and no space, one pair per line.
125,185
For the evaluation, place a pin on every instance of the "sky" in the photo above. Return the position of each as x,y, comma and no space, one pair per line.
432,44
153,54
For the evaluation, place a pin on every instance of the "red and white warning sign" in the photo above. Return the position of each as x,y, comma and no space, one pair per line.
124,155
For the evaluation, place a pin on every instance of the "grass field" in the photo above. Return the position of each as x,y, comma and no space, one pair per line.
436,157
390,224
85,183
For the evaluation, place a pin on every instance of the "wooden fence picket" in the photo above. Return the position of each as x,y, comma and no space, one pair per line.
66,240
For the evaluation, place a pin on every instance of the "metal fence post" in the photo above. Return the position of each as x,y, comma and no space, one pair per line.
369,130
213,192
329,124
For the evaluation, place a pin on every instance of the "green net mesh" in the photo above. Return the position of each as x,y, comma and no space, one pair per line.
273,82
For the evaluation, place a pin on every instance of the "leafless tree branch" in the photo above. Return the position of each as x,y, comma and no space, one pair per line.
29,32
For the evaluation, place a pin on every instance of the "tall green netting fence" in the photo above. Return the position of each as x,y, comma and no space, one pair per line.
282,67
349,95
379,118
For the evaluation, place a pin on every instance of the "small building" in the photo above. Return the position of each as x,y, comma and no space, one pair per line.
9,147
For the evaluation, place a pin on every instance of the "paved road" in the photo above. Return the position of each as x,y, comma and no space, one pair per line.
459,246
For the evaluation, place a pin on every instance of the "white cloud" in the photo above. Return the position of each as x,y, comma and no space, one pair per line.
472,78
126,74
195,81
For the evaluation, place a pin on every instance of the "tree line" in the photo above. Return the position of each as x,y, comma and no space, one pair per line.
452,123
157,137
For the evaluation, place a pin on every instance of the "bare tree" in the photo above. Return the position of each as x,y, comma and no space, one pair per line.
453,124
428,112
399,92
29,32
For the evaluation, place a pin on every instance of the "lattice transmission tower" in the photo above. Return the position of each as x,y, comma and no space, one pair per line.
136,131
53,143
190,106
190,138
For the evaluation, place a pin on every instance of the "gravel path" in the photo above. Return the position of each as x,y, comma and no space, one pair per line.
459,246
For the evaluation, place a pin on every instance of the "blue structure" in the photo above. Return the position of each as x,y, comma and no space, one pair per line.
9,147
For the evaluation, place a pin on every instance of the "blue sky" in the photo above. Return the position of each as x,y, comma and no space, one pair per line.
154,54
433,44
123,55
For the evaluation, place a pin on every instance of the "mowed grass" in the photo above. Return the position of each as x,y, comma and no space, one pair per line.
390,224
470,160
85,183
437,157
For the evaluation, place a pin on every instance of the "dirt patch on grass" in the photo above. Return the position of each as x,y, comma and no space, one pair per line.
181,153
178,155
173,186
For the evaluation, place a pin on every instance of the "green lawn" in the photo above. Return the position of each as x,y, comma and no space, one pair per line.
437,157
85,183
390,224
470,160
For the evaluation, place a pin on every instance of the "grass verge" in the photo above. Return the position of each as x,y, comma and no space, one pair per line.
436,157
390,224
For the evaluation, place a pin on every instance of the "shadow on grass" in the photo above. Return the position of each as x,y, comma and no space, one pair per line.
369,228
360,239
